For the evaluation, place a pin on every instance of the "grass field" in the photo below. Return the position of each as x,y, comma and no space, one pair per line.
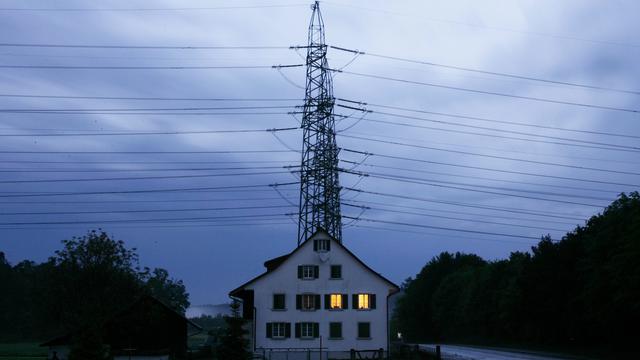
22,351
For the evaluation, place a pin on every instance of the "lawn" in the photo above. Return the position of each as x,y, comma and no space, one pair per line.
22,351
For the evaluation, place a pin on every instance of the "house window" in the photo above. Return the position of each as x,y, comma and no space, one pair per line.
335,330
279,302
278,330
321,245
364,301
336,271
364,330
306,330
336,301
308,272
308,302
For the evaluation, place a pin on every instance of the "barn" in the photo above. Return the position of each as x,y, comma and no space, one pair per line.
146,330
318,302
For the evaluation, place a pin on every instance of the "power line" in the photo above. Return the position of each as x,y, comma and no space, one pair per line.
489,156
101,202
439,210
493,120
136,170
485,92
162,220
602,146
442,184
67,162
495,73
141,177
142,211
440,228
488,169
145,191
146,109
145,152
462,204
479,177
141,133
138,98
150,9
454,218
68,67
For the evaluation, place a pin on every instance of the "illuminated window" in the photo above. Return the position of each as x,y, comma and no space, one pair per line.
364,301
336,301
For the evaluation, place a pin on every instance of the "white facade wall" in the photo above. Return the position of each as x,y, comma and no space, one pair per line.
356,278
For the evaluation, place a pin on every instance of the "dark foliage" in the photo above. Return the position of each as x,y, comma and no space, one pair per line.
581,291
89,279
233,343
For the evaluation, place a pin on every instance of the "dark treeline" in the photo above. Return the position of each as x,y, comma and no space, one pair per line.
583,290
89,279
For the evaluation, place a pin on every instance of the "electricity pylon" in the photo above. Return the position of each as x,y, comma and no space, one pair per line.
319,183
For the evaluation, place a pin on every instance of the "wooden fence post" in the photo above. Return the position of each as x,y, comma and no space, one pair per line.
438,355
353,354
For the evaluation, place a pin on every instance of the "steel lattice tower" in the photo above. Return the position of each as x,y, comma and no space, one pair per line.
319,183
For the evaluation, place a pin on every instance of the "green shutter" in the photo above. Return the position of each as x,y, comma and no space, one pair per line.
297,330
354,303
328,245
299,271
298,302
317,301
315,245
372,301
269,330
327,301
316,330
287,330
316,271
345,301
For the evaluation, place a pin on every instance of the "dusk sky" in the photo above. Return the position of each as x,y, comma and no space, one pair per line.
471,161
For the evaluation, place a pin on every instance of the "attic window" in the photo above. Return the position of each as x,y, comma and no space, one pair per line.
321,245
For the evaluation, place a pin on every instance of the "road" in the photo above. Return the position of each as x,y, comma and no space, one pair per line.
456,352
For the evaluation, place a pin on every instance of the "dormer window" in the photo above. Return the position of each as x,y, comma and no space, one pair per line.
321,245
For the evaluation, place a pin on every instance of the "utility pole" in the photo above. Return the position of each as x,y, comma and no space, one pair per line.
319,183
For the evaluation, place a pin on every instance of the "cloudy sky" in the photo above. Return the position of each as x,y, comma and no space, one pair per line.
471,161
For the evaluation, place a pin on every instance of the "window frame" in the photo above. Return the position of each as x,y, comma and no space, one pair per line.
367,298
277,327
284,302
331,328
331,270
312,302
308,326
326,245
308,272
338,299
368,327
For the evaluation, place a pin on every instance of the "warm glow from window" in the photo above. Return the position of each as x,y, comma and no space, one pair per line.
336,301
363,301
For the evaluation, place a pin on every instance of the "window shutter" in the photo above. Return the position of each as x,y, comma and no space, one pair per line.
316,271
298,302
299,271
316,330
269,330
315,245
317,301
287,330
327,301
372,301
297,330
354,299
328,245
345,301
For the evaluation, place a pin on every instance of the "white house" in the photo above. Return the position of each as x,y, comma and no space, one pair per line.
319,301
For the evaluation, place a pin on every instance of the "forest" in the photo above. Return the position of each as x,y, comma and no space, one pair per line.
580,291
40,301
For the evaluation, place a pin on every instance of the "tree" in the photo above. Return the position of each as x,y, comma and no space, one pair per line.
233,343
172,292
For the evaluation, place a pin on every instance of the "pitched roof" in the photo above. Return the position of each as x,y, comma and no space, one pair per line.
274,263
